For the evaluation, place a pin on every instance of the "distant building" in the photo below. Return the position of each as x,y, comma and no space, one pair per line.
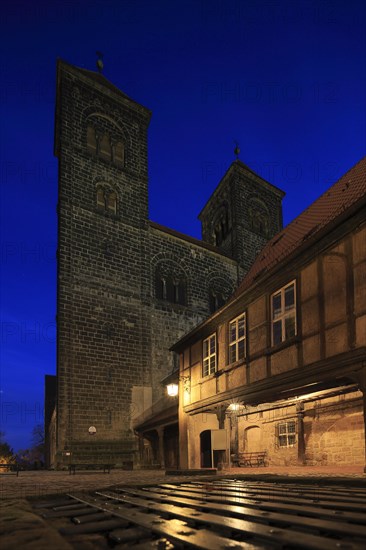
128,288
281,368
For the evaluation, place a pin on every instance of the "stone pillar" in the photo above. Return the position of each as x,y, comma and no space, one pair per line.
360,377
221,415
300,434
161,447
234,443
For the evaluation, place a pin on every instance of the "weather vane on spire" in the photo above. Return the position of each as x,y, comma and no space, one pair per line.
100,63
236,150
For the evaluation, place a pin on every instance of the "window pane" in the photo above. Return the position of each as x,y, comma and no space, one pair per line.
232,332
232,353
282,440
290,297
289,327
291,427
212,344
291,440
282,429
205,348
212,364
241,327
241,349
205,367
276,305
277,332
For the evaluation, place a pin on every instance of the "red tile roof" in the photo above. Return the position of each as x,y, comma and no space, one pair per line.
346,192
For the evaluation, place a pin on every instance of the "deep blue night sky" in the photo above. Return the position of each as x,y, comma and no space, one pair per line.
287,79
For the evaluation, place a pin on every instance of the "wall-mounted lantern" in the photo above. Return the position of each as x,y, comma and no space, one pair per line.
172,390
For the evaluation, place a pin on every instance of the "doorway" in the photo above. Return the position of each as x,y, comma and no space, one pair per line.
205,446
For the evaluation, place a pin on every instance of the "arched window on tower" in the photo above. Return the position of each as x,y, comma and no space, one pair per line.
91,140
101,204
105,150
171,288
106,200
221,225
112,202
259,217
119,153
216,300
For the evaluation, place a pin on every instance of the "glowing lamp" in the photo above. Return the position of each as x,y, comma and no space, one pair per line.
172,390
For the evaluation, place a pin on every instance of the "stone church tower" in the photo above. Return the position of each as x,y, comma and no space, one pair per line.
128,288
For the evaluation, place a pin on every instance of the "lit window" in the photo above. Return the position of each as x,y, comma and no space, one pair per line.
237,339
286,434
209,355
283,304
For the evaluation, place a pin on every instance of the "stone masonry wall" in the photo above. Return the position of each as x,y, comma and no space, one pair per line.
113,333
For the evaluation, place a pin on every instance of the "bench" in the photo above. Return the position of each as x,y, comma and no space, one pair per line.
12,467
105,467
257,458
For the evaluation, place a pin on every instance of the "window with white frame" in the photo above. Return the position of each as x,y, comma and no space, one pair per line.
286,433
237,339
209,355
283,306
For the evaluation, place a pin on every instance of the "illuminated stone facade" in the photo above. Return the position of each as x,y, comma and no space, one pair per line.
298,387
128,288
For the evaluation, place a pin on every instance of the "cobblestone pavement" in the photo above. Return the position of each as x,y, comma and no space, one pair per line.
21,528
41,483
